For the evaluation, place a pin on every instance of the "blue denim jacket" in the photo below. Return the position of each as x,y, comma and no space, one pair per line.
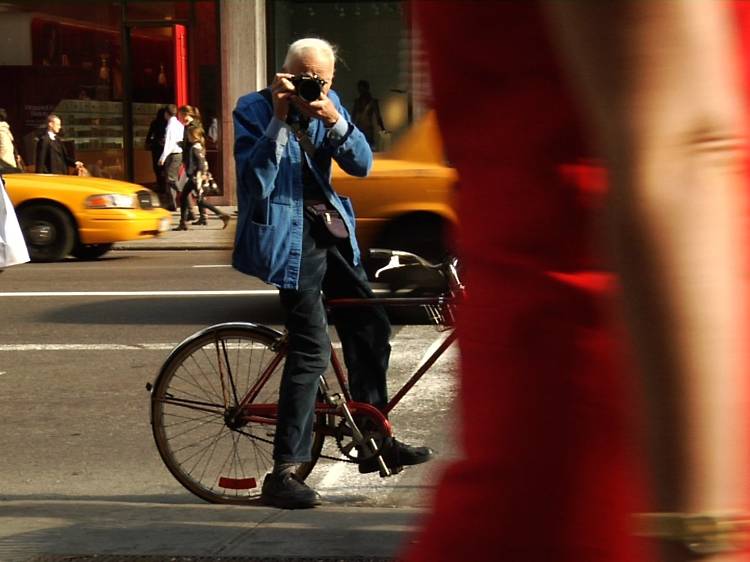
268,157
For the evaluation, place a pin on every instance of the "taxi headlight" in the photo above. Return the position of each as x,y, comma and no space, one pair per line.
111,201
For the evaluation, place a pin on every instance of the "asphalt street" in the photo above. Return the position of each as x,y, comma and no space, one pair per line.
78,343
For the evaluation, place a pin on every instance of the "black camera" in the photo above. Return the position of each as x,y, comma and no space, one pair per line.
309,88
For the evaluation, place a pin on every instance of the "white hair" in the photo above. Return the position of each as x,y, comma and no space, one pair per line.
298,49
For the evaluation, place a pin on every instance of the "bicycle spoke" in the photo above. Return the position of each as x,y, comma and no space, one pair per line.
193,428
210,376
213,447
217,451
229,369
209,392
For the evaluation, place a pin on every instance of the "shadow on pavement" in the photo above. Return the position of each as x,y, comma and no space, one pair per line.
130,526
160,310
208,310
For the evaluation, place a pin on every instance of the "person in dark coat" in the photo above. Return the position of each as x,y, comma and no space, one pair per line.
157,132
51,156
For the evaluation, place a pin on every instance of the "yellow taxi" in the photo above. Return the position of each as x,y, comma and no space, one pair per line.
82,216
406,203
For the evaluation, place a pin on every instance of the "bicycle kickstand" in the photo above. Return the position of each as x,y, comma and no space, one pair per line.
338,401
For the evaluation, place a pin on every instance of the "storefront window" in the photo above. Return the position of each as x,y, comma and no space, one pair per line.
66,60
70,59
373,42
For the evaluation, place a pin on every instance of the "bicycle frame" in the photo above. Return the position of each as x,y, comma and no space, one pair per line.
426,362
266,413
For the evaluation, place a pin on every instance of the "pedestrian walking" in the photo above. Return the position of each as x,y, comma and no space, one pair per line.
554,458
9,156
189,116
51,154
366,114
196,168
155,138
171,155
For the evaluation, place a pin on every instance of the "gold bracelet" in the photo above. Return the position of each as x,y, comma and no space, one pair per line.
702,534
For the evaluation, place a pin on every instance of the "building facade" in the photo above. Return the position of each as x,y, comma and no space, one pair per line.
106,68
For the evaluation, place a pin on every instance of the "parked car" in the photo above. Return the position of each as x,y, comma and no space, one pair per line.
406,202
82,216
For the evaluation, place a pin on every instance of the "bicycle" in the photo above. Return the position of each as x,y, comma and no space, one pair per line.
213,403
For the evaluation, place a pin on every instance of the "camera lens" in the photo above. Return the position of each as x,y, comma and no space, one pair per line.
309,90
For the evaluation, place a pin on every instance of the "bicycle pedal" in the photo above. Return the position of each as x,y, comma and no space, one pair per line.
335,399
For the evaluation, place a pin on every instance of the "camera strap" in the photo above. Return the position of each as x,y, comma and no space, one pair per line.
304,141
301,136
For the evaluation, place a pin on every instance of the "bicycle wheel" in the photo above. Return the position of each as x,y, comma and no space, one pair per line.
213,448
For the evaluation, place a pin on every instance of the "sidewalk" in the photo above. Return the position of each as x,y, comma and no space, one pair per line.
209,237
132,529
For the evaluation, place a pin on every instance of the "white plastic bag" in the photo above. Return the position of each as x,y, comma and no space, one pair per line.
12,245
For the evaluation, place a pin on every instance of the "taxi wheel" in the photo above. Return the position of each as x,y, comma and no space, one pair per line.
90,251
48,231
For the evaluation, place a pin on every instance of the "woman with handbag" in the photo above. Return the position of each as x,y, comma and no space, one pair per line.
199,179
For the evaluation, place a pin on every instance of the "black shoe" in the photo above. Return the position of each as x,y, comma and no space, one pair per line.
397,454
225,219
191,216
181,226
287,491
201,221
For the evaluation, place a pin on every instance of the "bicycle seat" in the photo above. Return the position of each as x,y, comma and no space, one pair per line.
407,272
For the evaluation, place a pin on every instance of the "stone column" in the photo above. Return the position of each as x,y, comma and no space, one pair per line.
243,70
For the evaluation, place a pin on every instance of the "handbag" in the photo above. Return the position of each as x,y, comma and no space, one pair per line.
210,187
328,225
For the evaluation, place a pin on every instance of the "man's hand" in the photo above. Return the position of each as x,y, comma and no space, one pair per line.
282,90
321,108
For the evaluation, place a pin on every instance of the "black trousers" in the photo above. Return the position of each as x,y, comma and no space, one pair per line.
203,205
364,333
185,203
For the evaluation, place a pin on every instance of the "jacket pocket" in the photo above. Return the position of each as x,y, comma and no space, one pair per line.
261,214
263,249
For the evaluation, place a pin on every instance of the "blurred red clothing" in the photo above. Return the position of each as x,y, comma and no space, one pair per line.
550,471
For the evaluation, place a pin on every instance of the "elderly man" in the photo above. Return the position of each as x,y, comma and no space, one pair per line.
284,145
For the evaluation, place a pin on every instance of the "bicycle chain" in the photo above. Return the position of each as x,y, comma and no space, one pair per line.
320,456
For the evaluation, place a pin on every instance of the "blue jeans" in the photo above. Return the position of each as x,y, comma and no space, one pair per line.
364,333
